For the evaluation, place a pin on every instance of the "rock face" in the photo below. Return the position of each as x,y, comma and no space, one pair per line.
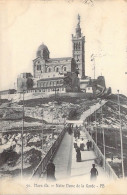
10,151
11,113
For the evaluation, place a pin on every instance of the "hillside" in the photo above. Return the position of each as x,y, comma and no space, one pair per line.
49,112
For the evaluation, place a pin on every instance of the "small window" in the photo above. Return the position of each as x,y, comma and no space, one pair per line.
38,67
57,69
65,69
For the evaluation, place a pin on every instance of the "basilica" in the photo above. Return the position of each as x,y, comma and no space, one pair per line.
61,74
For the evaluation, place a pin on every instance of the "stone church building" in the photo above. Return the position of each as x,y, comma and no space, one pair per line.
61,73
44,64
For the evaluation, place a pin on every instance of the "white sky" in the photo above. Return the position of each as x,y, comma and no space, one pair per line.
26,24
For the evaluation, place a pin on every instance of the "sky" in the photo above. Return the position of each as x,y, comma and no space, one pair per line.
26,24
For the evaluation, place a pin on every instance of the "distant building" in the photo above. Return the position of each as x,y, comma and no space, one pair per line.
43,64
8,91
24,82
89,89
84,83
61,73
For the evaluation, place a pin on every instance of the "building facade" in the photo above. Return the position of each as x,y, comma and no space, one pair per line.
24,82
43,64
51,73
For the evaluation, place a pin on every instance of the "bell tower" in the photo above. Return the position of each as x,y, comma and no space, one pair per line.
78,42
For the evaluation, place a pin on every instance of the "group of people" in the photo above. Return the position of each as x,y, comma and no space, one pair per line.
79,145
51,170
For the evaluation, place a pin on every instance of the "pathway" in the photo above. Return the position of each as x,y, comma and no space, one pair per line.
92,109
83,168
63,157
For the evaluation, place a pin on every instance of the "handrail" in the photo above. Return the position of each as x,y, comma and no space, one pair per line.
108,169
41,167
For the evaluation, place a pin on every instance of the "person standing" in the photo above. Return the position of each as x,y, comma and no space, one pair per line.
94,173
75,144
51,171
88,145
78,133
82,145
78,155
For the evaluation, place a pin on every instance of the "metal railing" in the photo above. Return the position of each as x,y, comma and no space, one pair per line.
101,159
41,168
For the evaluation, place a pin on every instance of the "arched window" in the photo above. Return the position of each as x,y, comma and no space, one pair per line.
57,69
38,67
75,46
64,69
79,45
49,70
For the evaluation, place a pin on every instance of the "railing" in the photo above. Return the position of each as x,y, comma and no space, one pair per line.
101,159
41,168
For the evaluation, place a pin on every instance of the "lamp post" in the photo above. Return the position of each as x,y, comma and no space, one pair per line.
96,125
103,135
22,132
121,139
93,59
42,132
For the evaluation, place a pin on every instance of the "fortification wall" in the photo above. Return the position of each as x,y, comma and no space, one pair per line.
18,97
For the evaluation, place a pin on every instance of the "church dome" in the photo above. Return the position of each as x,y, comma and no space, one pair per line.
43,52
